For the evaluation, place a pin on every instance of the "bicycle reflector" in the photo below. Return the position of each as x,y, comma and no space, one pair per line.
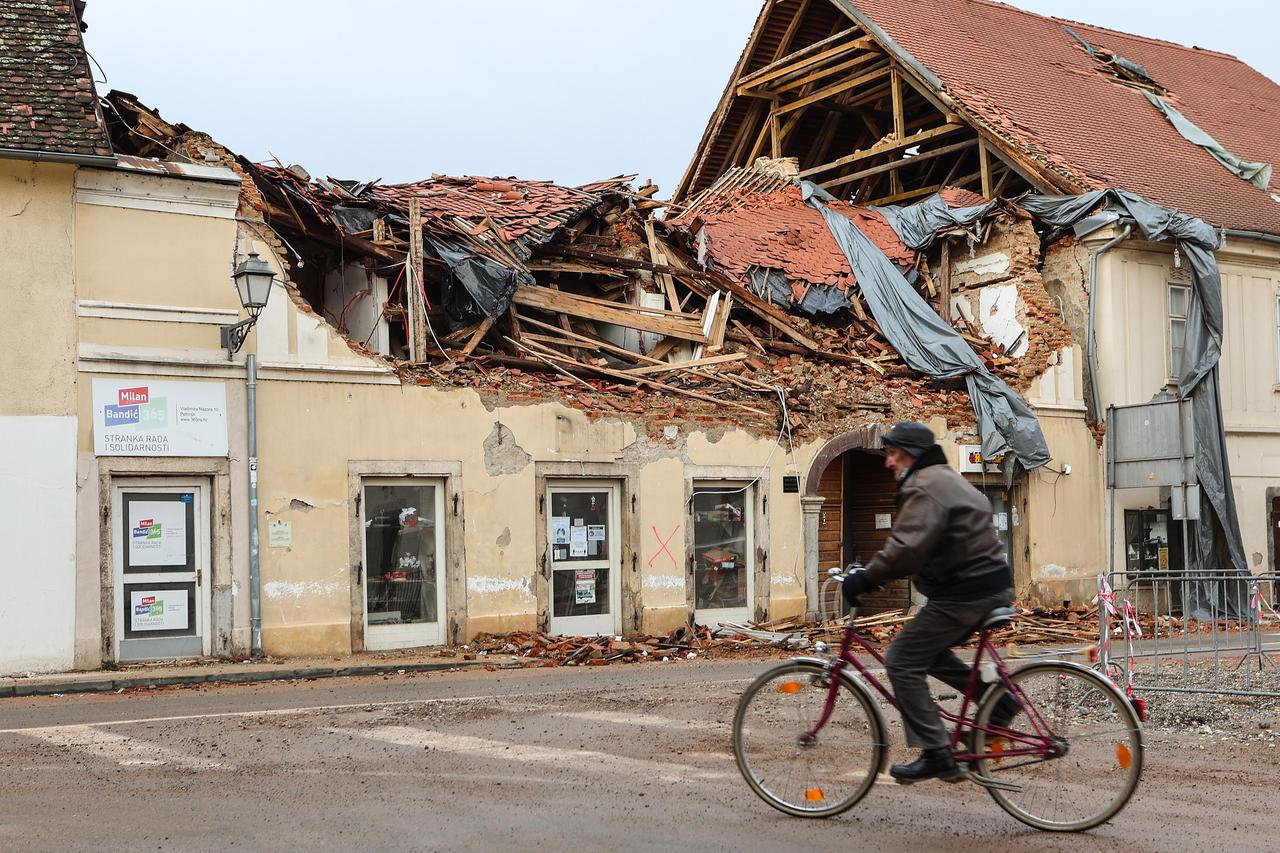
1123,756
814,795
790,687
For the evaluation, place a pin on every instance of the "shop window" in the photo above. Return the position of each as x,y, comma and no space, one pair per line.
722,546
1179,301
402,552
1153,541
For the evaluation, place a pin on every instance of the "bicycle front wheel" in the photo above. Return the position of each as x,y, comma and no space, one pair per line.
816,776
1099,745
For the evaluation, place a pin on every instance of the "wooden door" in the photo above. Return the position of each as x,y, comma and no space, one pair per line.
831,551
870,501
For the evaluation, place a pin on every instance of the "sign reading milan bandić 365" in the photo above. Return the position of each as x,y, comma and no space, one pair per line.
146,418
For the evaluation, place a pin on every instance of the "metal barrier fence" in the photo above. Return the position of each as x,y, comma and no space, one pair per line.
1181,632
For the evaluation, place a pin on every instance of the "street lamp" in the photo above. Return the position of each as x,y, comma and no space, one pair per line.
253,277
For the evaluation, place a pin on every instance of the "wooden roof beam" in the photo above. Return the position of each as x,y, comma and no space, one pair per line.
767,72
885,148
894,165
835,89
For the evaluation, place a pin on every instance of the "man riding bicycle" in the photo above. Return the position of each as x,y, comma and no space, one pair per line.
944,540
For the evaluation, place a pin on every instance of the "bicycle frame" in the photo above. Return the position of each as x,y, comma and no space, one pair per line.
1040,744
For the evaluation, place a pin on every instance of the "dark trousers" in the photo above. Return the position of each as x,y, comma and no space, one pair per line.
923,648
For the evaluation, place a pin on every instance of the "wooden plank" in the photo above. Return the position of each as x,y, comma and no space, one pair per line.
801,82
663,349
619,374
765,311
884,148
569,266
791,58
899,163
687,365
591,341
908,194
555,302
656,255
715,340
834,89
417,299
483,329
984,165
899,122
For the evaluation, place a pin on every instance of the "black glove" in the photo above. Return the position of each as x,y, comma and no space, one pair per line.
855,584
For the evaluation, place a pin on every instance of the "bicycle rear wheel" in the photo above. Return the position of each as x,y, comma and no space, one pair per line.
820,777
1101,739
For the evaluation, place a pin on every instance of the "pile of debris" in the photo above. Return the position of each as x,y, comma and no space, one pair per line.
537,648
1071,625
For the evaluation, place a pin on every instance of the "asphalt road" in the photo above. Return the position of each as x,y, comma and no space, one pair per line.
609,758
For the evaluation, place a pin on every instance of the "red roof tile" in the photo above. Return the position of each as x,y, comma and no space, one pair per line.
47,98
777,230
1030,81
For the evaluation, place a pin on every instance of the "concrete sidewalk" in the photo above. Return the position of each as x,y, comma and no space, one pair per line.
175,673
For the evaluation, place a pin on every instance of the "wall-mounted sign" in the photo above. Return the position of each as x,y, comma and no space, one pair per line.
158,610
280,533
134,417
884,521
972,462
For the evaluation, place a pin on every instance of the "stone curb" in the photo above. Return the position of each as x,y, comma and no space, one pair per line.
44,687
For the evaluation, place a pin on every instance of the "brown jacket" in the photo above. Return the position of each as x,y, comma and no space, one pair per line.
943,537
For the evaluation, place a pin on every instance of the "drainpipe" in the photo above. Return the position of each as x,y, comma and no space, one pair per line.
1090,351
255,599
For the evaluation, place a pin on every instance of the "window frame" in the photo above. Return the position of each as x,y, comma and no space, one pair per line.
1174,371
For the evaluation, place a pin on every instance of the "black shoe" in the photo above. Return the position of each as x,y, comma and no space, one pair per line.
1007,707
932,764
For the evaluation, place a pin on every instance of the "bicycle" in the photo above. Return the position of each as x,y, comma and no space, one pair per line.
809,754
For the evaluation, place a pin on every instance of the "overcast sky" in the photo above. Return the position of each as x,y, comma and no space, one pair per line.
566,90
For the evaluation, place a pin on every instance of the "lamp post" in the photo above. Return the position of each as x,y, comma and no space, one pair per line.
253,277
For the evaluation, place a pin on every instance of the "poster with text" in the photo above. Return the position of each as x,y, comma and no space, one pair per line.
134,417
158,610
157,533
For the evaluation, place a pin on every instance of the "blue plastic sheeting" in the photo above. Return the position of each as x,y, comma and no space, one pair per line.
926,343
1218,543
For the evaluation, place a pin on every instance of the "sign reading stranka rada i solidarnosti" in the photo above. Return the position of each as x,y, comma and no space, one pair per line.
149,418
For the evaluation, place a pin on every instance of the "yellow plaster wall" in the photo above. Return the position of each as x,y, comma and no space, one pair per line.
37,287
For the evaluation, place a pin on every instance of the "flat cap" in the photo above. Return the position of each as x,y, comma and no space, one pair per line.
912,436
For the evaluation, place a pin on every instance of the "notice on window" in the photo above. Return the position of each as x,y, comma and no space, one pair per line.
884,521
595,532
559,530
1162,558
578,534
157,533
584,587
158,610
578,549
1001,521
559,553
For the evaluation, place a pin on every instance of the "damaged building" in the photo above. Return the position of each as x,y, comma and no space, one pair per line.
495,404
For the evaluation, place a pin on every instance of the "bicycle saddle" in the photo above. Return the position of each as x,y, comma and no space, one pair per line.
1000,616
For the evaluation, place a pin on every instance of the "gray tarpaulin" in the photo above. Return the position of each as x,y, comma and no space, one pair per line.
920,224
928,344
1258,174
1217,544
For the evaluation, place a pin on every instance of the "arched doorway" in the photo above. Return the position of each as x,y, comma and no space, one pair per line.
852,500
